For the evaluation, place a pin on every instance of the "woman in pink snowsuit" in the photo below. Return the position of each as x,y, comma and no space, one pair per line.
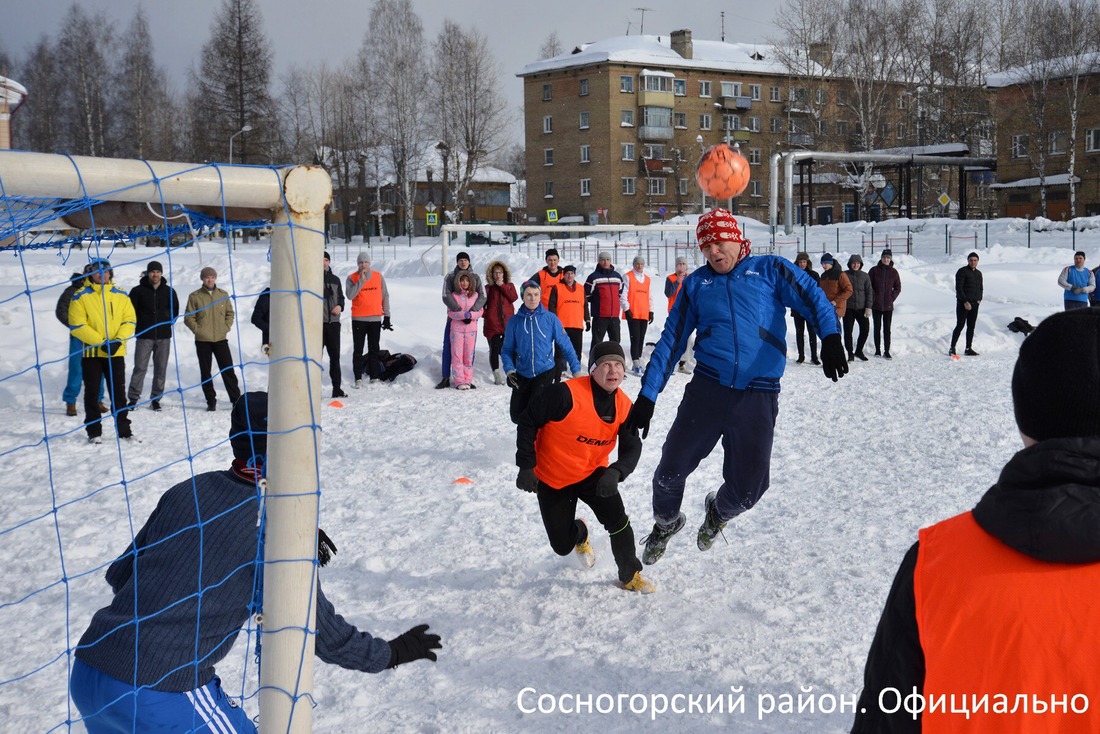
463,334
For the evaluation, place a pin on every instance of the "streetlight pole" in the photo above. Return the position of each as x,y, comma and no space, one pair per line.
702,194
246,128
470,199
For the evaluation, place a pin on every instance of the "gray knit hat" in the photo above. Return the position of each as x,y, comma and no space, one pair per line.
364,257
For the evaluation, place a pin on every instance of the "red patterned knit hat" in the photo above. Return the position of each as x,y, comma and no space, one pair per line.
718,225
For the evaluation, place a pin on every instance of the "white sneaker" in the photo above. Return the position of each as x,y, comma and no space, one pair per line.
358,384
96,440
498,377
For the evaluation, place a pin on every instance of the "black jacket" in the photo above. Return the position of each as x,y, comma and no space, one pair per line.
968,285
261,314
156,309
1045,504
61,310
334,296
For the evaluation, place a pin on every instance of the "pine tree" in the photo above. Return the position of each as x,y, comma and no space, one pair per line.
140,97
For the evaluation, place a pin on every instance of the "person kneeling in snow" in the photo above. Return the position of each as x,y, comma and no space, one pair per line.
1002,600
189,581
563,443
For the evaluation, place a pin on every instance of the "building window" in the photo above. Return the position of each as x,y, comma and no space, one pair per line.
753,123
584,121
655,186
731,121
756,188
704,89
657,116
586,154
547,125
547,156
626,84
841,128
683,187
586,187
731,89
754,92
903,131
653,83
1057,142
1019,146
822,125
627,119
776,94
819,95
655,151
548,190
628,151
628,185
680,87
776,125
754,156
704,122
680,120
1092,139
584,88
546,93
903,101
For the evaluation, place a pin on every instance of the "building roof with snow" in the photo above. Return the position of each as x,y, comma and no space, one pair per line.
1046,69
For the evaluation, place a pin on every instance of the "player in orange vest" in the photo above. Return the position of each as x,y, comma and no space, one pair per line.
1002,601
563,443
549,276
674,283
639,312
370,315
568,303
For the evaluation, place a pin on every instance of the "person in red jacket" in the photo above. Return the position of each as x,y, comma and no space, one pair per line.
1001,601
568,303
500,294
563,443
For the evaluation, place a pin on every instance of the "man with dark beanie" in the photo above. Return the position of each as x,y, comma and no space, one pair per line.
969,292
564,440
1002,600
157,306
183,589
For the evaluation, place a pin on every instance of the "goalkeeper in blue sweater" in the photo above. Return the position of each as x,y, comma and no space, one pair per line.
183,590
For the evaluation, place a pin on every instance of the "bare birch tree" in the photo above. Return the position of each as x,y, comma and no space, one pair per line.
83,84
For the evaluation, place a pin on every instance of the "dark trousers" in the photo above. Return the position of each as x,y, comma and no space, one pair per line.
331,343
1072,305
852,317
576,336
636,328
964,317
800,325
93,370
159,350
744,420
604,326
220,352
882,321
528,388
496,343
446,368
369,332
559,512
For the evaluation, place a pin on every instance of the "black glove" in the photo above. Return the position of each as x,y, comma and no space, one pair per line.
608,483
386,325
112,346
650,318
513,380
466,320
628,315
833,362
415,644
526,480
640,415
588,326
326,549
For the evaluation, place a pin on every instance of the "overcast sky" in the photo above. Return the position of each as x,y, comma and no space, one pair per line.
306,32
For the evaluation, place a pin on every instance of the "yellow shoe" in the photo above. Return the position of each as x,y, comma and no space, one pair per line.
639,585
584,550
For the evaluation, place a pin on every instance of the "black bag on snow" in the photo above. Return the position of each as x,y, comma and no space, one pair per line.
394,364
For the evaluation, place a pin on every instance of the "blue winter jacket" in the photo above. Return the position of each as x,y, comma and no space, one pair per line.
740,324
529,340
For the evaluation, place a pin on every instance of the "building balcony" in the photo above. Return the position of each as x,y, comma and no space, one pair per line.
805,140
797,108
656,132
735,103
650,98
657,167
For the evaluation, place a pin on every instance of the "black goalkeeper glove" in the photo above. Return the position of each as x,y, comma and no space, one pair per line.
833,362
112,346
527,481
513,380
386,325
416,644
640,416
608,483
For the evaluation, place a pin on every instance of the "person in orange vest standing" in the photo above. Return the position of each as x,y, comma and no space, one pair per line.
370,314
568,303
639,312
547,278
1001,601
673,284
565,438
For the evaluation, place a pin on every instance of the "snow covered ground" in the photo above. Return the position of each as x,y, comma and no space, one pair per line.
788,606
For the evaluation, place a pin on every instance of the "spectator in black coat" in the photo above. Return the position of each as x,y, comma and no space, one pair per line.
157,306
968,296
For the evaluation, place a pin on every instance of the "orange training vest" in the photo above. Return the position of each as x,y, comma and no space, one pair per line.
568,450
570,305
679,284
546,282
637,295
368,301
995,621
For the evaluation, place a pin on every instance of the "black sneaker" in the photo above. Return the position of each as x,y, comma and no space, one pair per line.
657,540
951,352
886,355
861,356
211,406
801,358
338,393
711,527
878,352
443,384
155,405
970,352
815,360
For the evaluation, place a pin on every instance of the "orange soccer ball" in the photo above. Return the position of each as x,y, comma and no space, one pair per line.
722,172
